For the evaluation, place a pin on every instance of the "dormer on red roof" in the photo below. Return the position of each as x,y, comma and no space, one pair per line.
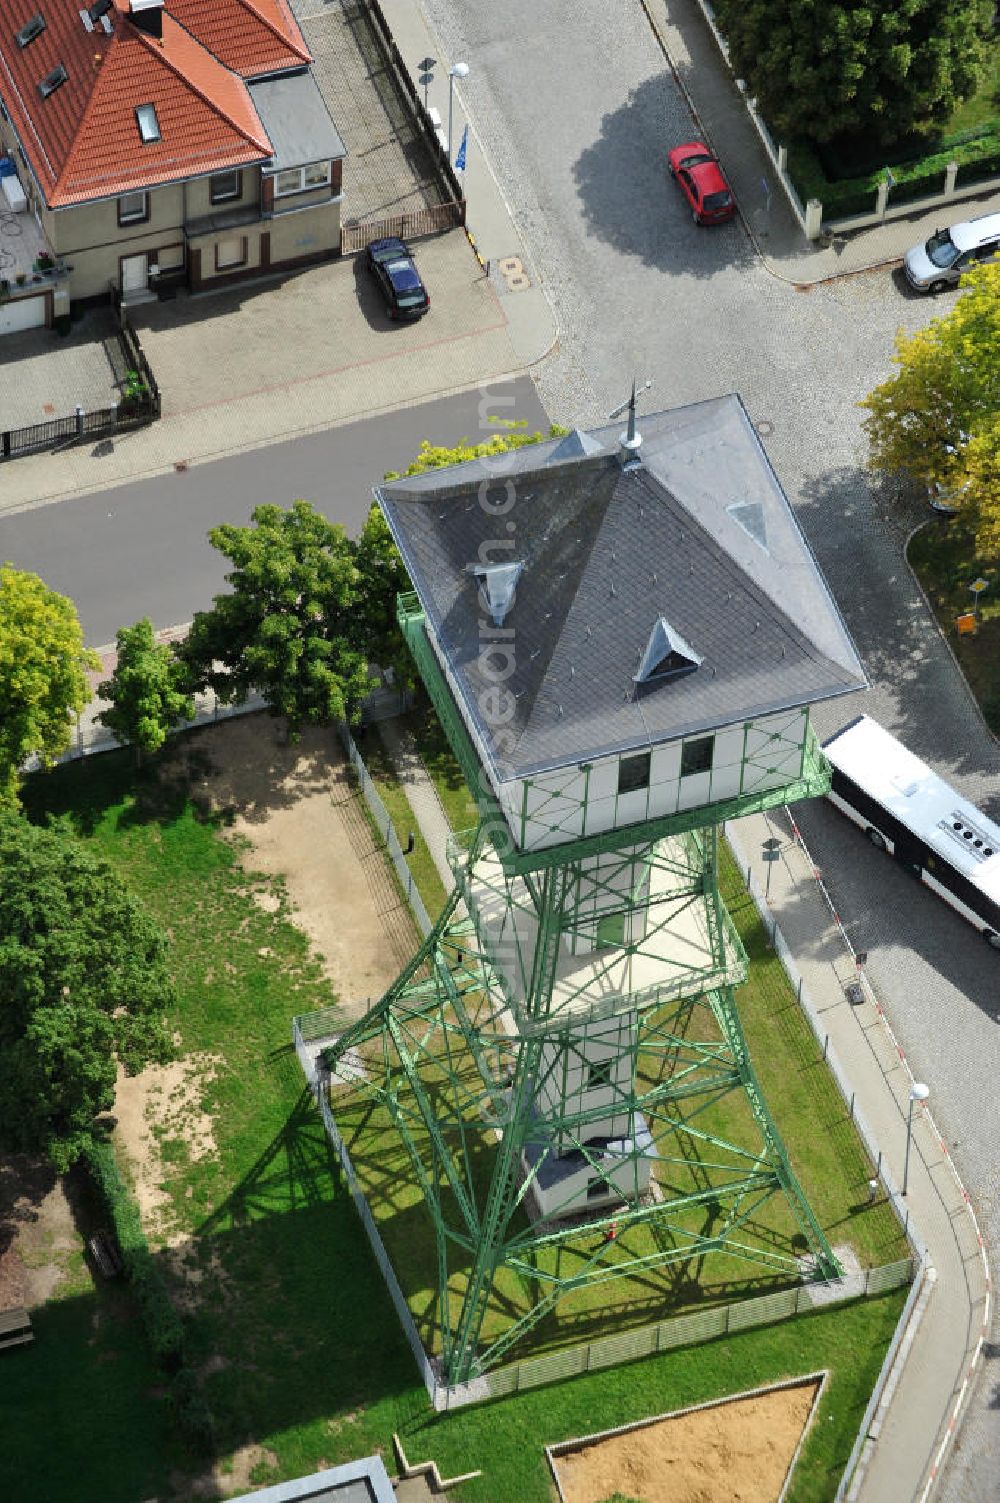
75,87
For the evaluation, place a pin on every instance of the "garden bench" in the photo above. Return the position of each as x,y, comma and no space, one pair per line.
106,1257
15,1327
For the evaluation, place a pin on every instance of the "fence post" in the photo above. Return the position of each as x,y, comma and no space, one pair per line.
814,219
826,1045
852,1106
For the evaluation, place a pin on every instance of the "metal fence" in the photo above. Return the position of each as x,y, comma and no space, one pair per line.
387,830
433,218
103,422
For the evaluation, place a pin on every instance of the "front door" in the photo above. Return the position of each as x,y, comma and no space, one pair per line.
135,274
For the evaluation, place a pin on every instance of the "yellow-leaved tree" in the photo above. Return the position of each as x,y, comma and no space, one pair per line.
937,420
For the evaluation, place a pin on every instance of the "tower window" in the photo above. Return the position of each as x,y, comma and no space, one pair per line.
599,1074
696,756
633,773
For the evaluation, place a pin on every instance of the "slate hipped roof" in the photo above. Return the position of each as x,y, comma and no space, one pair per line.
700,535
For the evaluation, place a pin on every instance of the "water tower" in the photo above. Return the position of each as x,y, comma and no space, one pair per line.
622,636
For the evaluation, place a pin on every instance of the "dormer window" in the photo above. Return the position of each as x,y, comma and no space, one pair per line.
149,126
498,583
52,80
666,655
98,9
30,30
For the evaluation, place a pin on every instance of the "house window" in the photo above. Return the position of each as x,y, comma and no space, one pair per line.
301,179
231,252
633,773
696,756
133,208
149,126
224,186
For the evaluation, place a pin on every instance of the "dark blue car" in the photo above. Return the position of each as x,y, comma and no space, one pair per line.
393,268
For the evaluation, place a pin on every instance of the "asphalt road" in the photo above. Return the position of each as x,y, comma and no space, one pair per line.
638,289
142,549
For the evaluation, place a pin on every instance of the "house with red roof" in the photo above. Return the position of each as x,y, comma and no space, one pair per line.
150,142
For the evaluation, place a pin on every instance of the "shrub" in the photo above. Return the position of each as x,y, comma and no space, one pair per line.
164,1330
194,1418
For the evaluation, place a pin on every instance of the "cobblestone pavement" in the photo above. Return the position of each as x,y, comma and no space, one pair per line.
388,168
638,289
44,377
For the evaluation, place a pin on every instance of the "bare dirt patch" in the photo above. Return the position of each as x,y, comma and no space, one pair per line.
738,1452
38,1234
164,1101
304,822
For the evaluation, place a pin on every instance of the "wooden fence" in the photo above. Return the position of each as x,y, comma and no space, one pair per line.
429,221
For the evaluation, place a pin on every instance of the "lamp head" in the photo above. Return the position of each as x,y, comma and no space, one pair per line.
459,70
918,1091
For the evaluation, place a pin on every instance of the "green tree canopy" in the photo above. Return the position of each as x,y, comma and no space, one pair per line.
83,986
937,420
288,628
43,666
144,691
878,69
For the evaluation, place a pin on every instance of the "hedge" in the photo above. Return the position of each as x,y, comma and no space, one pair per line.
163,1325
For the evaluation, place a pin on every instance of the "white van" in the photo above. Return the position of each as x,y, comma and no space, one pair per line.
949,253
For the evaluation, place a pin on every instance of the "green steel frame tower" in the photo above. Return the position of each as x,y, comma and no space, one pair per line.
622,638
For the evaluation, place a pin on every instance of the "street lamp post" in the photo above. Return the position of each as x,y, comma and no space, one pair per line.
918,1092
771,848
457,70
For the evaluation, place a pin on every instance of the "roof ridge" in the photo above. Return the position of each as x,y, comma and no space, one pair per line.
275,31
213,104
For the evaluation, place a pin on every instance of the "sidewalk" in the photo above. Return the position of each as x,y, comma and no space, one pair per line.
718,107
907,1451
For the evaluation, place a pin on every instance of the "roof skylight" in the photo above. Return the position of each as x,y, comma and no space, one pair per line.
30,30
52,80
149,126
98,9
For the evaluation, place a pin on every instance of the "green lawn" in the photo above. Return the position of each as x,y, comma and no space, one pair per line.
292,1331
942,555
825,1150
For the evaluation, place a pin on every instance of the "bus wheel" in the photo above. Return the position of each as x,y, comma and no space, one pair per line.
992,939
877,840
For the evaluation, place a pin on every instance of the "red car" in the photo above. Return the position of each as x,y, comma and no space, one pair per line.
700,177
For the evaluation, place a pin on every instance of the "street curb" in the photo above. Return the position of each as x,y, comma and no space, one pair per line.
837,276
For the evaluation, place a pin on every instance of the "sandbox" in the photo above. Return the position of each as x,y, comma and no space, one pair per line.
740,1449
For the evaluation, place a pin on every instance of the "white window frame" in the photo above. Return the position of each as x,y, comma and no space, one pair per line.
299,175
224,198
142,216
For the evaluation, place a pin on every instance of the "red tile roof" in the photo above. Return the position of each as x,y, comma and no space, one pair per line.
83,141
253,37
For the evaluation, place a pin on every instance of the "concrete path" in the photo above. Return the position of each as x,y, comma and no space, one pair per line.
718,106
907,1454
421,794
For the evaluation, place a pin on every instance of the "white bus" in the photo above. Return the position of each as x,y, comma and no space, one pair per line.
906,809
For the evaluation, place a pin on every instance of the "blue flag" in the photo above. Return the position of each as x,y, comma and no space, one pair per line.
460,159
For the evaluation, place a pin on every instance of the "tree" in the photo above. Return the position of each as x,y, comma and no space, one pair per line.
43,666
937,420
83,986
381,570
879,69
288,628
145,692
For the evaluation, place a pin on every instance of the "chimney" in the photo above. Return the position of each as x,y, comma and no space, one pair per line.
147,15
